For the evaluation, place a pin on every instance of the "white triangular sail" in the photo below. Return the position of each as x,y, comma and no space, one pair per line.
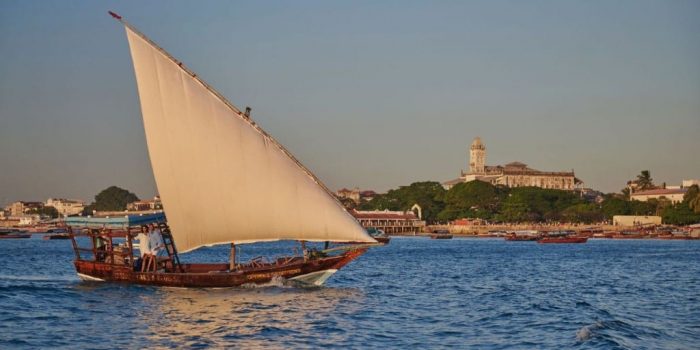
221,177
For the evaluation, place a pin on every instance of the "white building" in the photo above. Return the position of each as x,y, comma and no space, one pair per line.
66,207
633,220
29,220
514,174
675,195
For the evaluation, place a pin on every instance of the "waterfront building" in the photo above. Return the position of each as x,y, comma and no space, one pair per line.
675,195
29,220
634,220
19,208
391,222
66,207
353,194
514,174
145,205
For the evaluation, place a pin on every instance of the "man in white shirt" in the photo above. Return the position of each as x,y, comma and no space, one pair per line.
156,244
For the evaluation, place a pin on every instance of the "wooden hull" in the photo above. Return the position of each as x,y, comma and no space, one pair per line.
312,272
563,240
621,236
57,236
441,236
14,236
680,238
521,239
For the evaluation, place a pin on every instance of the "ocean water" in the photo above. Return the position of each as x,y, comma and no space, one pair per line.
413,293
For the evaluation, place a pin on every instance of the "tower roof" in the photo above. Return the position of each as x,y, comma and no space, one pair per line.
477,144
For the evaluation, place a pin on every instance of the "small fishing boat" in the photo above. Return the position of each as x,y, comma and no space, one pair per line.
677,235
57,236
14,233
441,234
522,236
57,230
515,238
203,149
563,239
629,235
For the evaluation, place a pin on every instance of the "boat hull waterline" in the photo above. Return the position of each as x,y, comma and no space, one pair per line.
311,272
562,240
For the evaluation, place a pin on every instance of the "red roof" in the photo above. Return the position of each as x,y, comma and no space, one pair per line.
383,215
660,191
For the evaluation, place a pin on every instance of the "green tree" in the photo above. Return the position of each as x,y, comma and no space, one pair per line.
692,198
474,199
112,198
541,204
612,206
427,194
45,211
694,204
642,208
625,192
515,211
583,212
680,214
644,180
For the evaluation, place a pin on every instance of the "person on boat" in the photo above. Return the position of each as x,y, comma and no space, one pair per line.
156,244
100,245
144,242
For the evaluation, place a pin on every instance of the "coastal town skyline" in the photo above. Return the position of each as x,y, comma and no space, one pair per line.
375,106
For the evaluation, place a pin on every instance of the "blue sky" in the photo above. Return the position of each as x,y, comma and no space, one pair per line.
374,94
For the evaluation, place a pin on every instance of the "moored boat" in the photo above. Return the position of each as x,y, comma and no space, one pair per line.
57,236
441,234
561,237
522,236
683,236
264,194
562,240
629,235
14,233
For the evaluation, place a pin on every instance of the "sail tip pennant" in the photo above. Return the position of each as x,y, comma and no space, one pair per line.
114,15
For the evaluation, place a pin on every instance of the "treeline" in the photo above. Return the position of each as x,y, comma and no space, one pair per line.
112,198
478,199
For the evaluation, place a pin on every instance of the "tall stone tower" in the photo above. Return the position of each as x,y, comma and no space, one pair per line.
477,156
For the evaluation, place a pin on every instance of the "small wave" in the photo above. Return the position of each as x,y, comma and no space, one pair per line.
274,282
30,278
